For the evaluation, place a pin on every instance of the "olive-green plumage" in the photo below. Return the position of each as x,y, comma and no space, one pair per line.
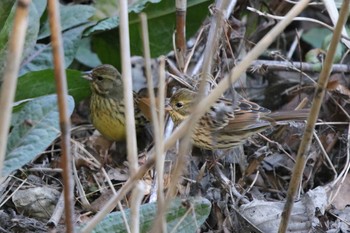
107,103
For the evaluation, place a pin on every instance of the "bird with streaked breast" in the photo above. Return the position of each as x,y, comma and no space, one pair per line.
107,103
226,125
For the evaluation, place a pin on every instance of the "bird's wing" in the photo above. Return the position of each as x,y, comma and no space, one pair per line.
247,116
219,114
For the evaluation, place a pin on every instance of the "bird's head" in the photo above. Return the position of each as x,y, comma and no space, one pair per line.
105,80
181,104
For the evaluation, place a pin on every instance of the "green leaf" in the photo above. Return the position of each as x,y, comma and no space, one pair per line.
40,6
315,36
106,11
161,25
181,216
5,10
35,11
108,8
71,16
41,56
36,127
85,55
39,83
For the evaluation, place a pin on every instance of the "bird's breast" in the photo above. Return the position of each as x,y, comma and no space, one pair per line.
107,115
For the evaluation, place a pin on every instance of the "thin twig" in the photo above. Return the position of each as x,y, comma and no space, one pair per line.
13,60
296,19
62,93
315,108
295,66
57,213
342,176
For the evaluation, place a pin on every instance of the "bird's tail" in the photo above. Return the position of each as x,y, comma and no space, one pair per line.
297,115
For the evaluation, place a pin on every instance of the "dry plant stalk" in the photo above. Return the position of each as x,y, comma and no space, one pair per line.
128,100
127,87
136,201
180,35
294,66
311,121
8,90
62,93
157,122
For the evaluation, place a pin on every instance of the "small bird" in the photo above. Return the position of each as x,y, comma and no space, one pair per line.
107,103
226,124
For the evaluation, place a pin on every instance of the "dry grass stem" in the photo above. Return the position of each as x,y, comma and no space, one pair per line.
80,190
180,34
127,87
10,196
136,200
57,214
193,50
157,127
325,154
211,48
9,84
316,105
342,176
62,93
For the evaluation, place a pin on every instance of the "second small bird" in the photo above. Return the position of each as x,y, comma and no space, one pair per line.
226,125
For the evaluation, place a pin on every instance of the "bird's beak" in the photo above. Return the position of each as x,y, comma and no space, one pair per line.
87,75
168,108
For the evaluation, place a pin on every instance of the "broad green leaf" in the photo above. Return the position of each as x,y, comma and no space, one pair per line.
39,83
161,25
339,51
40,6
315,36
71,16
106,11
41,57
36,127
181,216
5,10
109,8
103,25
35,11
85,55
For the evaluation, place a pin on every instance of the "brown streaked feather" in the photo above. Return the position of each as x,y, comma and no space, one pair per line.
227,123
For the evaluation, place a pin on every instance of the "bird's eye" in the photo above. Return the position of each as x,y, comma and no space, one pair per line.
99,78
179,105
